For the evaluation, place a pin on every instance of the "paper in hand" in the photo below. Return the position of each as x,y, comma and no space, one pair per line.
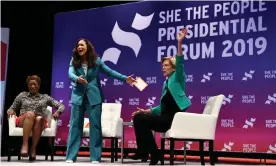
140,84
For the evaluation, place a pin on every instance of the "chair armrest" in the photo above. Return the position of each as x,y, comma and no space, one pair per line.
12,124
193,126
112,127
119,128
53,126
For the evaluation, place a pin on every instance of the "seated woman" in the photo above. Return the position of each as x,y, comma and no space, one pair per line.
160,118
32,105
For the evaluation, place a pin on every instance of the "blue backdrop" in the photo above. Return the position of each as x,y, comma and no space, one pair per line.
230,50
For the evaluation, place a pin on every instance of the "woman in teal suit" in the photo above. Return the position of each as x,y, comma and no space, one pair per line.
160,118
87,96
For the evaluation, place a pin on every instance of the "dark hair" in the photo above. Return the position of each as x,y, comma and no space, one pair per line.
91,55
33,77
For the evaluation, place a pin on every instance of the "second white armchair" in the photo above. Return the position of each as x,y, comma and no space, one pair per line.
194,127
112,125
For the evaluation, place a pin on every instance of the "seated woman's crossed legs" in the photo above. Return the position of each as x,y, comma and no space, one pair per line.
30,123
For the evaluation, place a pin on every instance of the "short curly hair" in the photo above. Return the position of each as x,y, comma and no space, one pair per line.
33,77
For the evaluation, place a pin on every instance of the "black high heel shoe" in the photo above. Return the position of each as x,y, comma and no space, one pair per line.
155,157
137,157
24,153
32,158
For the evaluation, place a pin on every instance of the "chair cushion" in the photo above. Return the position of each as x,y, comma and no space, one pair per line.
47,132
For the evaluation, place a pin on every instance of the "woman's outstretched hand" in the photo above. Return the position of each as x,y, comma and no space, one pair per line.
181,35
130,80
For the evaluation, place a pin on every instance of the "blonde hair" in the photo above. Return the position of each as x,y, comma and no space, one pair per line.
171,59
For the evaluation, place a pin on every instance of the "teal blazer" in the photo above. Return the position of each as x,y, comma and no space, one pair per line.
93,89
176,85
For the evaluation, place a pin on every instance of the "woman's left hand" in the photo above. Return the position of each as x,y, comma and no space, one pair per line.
181,35
130,80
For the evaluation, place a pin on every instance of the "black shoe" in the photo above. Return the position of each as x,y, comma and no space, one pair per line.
32,158
144,159
155,157
137,157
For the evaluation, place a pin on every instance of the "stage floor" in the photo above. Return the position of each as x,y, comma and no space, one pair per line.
60,160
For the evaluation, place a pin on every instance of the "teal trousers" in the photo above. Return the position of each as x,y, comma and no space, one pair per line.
76,130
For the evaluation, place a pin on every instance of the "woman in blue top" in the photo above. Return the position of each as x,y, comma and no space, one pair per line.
87,95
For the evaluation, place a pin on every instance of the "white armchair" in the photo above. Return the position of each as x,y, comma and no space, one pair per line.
47,132
194,127
112,123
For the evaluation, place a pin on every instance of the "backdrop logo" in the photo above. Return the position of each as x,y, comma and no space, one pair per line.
248,99
270,123
69,103
103,82
131,144
270,74
85,142
59,85
150,102
167,144
72,85
119,100
118,82
128,39
190,97
133,101
227,147
189,78
226,76
248,75
57,141
206,77
249,147
204,99
227,123
271,99
188,145
103,144
272,149
151,80
59,122
119,142
227,99
249,123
